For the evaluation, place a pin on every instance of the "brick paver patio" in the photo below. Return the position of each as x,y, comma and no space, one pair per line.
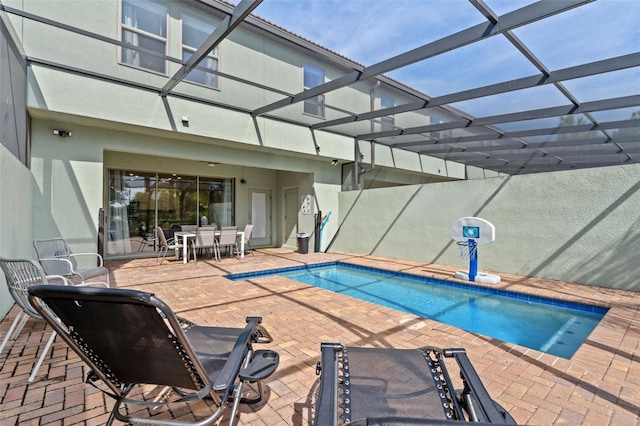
599,385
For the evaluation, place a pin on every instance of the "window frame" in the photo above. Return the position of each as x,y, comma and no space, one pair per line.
317,102
211,55
387,122
125,27
130,209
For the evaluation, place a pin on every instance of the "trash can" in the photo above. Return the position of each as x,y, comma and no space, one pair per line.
303,242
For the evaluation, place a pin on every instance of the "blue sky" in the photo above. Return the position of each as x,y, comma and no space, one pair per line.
369,31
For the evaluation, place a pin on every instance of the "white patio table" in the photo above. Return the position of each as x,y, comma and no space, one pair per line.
185,236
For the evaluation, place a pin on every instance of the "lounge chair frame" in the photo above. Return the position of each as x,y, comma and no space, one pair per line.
159,349
336,393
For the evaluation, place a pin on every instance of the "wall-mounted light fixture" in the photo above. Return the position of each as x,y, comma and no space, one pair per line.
62,133
334,162
211,164
185,120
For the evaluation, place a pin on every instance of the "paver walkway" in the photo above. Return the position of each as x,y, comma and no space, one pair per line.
599,385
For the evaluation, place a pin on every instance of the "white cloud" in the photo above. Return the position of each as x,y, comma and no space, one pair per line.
595,31
369,31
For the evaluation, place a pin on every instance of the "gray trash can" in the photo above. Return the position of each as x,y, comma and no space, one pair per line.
303,242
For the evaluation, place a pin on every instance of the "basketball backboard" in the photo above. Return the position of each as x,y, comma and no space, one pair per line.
473,228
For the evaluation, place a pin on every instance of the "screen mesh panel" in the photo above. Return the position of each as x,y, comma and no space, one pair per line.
392,382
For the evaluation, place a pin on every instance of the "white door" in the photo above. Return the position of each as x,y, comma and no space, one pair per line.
260,217
291,207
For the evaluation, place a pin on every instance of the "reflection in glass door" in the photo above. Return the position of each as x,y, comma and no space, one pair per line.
139,201
216,202
131,211
177,203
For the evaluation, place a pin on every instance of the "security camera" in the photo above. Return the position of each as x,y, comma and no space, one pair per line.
61,133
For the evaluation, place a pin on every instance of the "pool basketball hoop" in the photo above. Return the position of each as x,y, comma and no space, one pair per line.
467,250
469,233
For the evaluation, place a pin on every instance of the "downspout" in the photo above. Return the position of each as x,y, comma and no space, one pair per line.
372,99
373,107
357,171
356,164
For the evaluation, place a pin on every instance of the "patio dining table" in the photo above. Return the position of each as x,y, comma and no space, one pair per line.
186,235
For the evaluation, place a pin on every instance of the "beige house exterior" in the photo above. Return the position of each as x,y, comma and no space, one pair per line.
578,226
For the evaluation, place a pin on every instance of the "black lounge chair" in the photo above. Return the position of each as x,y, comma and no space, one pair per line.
372,386
131,338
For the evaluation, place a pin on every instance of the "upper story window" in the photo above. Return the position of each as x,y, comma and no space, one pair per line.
144,25
388,122
313,76
194,33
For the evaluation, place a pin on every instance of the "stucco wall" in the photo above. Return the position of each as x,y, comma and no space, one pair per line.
272,62
70,175
15,179
15,216
579,226
68,189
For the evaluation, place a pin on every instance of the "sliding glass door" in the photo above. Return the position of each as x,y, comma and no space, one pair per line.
216,202
138,202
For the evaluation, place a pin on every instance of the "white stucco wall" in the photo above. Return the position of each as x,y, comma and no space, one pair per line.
15,216
245,53
327,201
71,175
68,189
579,226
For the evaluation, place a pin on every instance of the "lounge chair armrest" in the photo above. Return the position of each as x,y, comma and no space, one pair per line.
63,280
92,284
475,394
261,336
56,266
84,255
237,356
326,411
263,364
406,421
184,323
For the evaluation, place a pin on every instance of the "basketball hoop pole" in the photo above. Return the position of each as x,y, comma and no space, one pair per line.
469,233
473,259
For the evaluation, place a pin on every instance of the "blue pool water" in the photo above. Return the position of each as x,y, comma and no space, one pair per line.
550,326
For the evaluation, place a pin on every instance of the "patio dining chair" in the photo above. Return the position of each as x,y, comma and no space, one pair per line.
20,275
248,229
227,240
147,239
152,362
165,245
56,258
204,240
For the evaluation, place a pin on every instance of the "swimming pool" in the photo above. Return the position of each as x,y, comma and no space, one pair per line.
547,325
